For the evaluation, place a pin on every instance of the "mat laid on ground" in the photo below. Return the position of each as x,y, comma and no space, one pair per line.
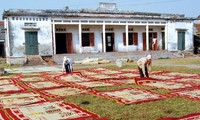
194,81
43,84
3,115
9,88
194,116
180,74
121,81
62,92
22,98
71,78
6,81
91,84
50,111
130,95
32,79
165,84
193,93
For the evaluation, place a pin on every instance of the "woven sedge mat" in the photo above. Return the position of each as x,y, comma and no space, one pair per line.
3,115
7,81
121,81
131,95
177,74
193,81
62,92
21,98
53,110
169,85
74,77
92,84
193,116
9,88
193,93
42,85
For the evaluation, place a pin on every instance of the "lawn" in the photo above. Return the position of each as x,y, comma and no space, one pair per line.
170,107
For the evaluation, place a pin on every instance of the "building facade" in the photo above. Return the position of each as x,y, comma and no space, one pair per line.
106,29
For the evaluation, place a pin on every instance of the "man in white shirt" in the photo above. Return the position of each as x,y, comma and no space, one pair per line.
144,66
67,65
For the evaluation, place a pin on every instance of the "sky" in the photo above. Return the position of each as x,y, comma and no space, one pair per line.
190,8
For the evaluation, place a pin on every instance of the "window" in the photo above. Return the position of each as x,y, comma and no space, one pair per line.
132,39
87,39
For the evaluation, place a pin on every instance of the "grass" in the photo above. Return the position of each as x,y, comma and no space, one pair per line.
169,107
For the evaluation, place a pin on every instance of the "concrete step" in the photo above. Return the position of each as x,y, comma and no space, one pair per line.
113,56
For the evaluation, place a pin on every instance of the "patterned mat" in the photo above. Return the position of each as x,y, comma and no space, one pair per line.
92,84
9,88
193,93
130,95
62,92
43,85
17,99
163,84
50,111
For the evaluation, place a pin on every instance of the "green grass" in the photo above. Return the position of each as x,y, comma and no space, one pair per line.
169,107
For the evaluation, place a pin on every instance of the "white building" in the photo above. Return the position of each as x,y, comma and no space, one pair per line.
50,32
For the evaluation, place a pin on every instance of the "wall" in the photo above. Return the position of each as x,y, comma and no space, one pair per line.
17,37
173,28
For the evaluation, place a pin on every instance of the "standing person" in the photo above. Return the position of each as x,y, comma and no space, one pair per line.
67,65
144,66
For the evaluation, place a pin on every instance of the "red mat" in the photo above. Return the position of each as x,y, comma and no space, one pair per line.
130,95
22,98
62,92
193,93
50,111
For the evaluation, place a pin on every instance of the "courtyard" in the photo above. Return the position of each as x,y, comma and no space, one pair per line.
102,92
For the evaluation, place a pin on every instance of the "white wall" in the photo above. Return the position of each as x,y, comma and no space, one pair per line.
173,35
17,37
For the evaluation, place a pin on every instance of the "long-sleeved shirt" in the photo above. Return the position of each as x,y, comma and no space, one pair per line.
142,63
70,63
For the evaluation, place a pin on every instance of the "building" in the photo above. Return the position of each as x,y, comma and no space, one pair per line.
2,39
106,29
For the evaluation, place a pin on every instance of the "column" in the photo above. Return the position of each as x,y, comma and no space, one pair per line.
80,37
104,38
127,39
147,37
54,39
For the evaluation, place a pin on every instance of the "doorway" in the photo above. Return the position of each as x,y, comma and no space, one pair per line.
110,42
63,43
152,36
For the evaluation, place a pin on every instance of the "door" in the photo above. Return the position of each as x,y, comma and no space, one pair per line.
109,42
69,43
163,41
181,40
61,43
144,41
31,43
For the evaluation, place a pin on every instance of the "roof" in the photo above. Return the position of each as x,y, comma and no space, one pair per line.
99,13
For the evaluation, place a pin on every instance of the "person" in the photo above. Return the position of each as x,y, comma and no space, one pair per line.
144,66
154,44
67,65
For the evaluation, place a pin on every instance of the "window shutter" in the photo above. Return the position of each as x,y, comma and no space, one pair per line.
135,36
91,39
124,39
